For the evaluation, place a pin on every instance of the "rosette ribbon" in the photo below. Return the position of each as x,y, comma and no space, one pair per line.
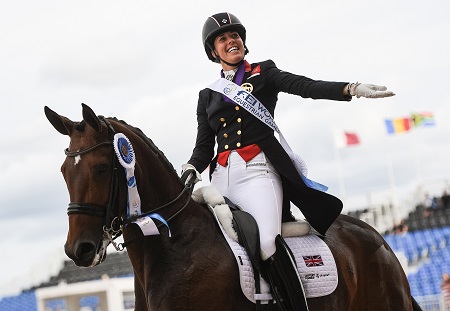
126,156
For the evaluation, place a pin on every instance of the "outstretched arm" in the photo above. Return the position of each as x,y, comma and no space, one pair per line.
366,90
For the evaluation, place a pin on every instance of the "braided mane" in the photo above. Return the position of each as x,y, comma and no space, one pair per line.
148,141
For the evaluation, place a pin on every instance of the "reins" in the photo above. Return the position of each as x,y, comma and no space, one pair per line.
114,224
189,188
186,188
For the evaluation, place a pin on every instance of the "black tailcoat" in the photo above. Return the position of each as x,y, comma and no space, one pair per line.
234,127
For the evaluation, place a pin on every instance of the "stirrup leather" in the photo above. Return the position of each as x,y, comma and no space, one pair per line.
284,280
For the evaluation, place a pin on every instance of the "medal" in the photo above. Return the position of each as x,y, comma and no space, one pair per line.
247,86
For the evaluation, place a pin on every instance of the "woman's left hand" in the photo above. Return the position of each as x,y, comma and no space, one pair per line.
369,90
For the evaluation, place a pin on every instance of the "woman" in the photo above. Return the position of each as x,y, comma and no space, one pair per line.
251,167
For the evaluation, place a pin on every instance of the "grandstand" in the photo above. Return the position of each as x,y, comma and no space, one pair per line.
108,286
421,242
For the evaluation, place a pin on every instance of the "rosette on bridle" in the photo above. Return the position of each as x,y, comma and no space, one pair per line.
126,156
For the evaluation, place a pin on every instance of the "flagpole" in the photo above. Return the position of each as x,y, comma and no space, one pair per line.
340,173
391,176
417,160
338,143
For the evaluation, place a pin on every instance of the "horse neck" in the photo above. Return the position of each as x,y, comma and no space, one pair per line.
157,181
158,184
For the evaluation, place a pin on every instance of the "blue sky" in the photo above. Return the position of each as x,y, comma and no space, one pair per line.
144,63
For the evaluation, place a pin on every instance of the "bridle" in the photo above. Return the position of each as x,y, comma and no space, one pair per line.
113,223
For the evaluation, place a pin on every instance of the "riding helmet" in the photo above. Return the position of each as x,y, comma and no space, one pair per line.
217,24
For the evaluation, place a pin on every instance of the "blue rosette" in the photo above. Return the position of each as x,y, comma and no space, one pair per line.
124,151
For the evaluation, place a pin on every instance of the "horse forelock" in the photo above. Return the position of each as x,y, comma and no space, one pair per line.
80,126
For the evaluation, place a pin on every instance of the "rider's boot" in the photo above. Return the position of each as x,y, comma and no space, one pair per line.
281,272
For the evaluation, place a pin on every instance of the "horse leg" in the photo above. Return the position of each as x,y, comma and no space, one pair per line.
140,303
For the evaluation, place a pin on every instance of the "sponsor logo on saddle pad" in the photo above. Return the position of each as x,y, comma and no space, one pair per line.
313,276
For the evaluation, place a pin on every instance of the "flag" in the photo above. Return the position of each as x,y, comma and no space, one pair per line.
398,125
313,261
423,119
344,138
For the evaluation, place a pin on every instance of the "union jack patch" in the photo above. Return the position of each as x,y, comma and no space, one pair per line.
255,72
313,261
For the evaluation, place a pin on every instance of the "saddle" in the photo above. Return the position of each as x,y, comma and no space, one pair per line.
245,231
244,228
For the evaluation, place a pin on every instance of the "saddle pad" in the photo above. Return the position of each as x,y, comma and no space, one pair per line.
315,264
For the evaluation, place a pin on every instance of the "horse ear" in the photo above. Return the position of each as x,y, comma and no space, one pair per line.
91,118
60,123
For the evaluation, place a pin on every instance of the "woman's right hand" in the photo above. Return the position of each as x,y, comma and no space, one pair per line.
189,174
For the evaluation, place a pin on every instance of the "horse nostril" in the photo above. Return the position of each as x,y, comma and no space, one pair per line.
85,250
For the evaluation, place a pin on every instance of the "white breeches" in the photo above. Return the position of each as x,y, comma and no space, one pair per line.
255,187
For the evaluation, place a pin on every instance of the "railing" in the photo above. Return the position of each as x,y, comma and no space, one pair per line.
433,303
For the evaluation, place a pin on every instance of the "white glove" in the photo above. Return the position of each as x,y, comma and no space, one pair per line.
189,174
368,90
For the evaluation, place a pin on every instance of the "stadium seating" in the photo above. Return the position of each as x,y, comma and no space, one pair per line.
24,301
426,244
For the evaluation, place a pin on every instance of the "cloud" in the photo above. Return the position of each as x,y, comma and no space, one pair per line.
102,61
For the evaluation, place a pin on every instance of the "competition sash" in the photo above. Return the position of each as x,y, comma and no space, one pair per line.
250,103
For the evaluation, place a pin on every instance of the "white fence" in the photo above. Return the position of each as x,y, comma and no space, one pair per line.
115,294
433,303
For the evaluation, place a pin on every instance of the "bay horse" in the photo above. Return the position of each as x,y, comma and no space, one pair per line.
193,268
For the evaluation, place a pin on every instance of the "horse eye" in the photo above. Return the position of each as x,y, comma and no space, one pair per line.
102,168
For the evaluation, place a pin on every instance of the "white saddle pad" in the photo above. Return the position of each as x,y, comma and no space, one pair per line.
315,264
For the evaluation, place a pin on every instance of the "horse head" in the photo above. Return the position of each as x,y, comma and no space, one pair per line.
90,173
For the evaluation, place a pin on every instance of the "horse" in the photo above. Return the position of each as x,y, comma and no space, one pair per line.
190,266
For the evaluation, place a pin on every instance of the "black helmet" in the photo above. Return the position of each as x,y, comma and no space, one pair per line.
217,24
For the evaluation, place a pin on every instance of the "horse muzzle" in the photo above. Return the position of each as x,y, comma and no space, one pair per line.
87,253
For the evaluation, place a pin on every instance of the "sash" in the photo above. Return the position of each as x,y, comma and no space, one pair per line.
250,103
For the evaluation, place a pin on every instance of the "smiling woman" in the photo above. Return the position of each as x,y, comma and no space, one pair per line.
249,158
229,49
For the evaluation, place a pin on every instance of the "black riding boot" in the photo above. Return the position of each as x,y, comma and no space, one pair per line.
284,280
